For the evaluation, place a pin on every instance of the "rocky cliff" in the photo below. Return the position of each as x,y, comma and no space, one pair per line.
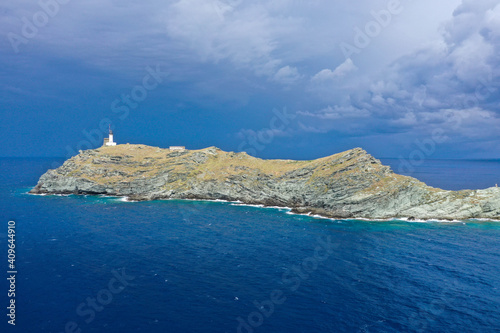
351,184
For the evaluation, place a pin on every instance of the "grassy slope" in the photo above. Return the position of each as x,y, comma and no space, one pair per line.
133,161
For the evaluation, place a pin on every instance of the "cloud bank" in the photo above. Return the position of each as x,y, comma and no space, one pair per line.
423,66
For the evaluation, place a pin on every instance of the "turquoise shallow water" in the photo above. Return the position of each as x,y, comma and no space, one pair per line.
215,267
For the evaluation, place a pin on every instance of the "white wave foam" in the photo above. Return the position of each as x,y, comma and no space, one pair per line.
247,205
289,211
403,219
484,220
261,206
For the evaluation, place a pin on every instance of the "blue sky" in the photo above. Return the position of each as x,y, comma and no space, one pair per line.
277,78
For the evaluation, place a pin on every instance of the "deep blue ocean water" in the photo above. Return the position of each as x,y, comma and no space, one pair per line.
199,266
449,174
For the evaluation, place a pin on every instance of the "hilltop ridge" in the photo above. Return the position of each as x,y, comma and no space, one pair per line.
350,184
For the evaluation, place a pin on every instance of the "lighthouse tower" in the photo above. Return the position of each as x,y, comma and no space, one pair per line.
109,141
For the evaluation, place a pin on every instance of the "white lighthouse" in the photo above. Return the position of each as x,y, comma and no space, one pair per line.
109,141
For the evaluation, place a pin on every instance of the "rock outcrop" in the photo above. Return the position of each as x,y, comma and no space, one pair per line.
352,184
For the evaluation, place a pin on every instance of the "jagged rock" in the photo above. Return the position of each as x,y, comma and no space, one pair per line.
352,184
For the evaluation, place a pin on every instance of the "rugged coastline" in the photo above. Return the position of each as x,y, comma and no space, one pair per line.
351,184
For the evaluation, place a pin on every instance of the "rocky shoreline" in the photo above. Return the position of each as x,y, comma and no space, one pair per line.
351,184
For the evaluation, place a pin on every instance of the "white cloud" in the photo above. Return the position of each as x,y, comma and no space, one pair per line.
348,120
245,34
449,84
337,112
207,27
458,72
323,75
344,68
470,59
287,75
408,119
341,70
492,20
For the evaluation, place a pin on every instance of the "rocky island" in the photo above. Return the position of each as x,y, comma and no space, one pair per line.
351,184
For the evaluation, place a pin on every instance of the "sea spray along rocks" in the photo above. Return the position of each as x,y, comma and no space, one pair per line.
351,184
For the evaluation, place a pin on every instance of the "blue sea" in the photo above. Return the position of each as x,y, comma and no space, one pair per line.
95,264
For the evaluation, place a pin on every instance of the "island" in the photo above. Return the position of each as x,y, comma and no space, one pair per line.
348,185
